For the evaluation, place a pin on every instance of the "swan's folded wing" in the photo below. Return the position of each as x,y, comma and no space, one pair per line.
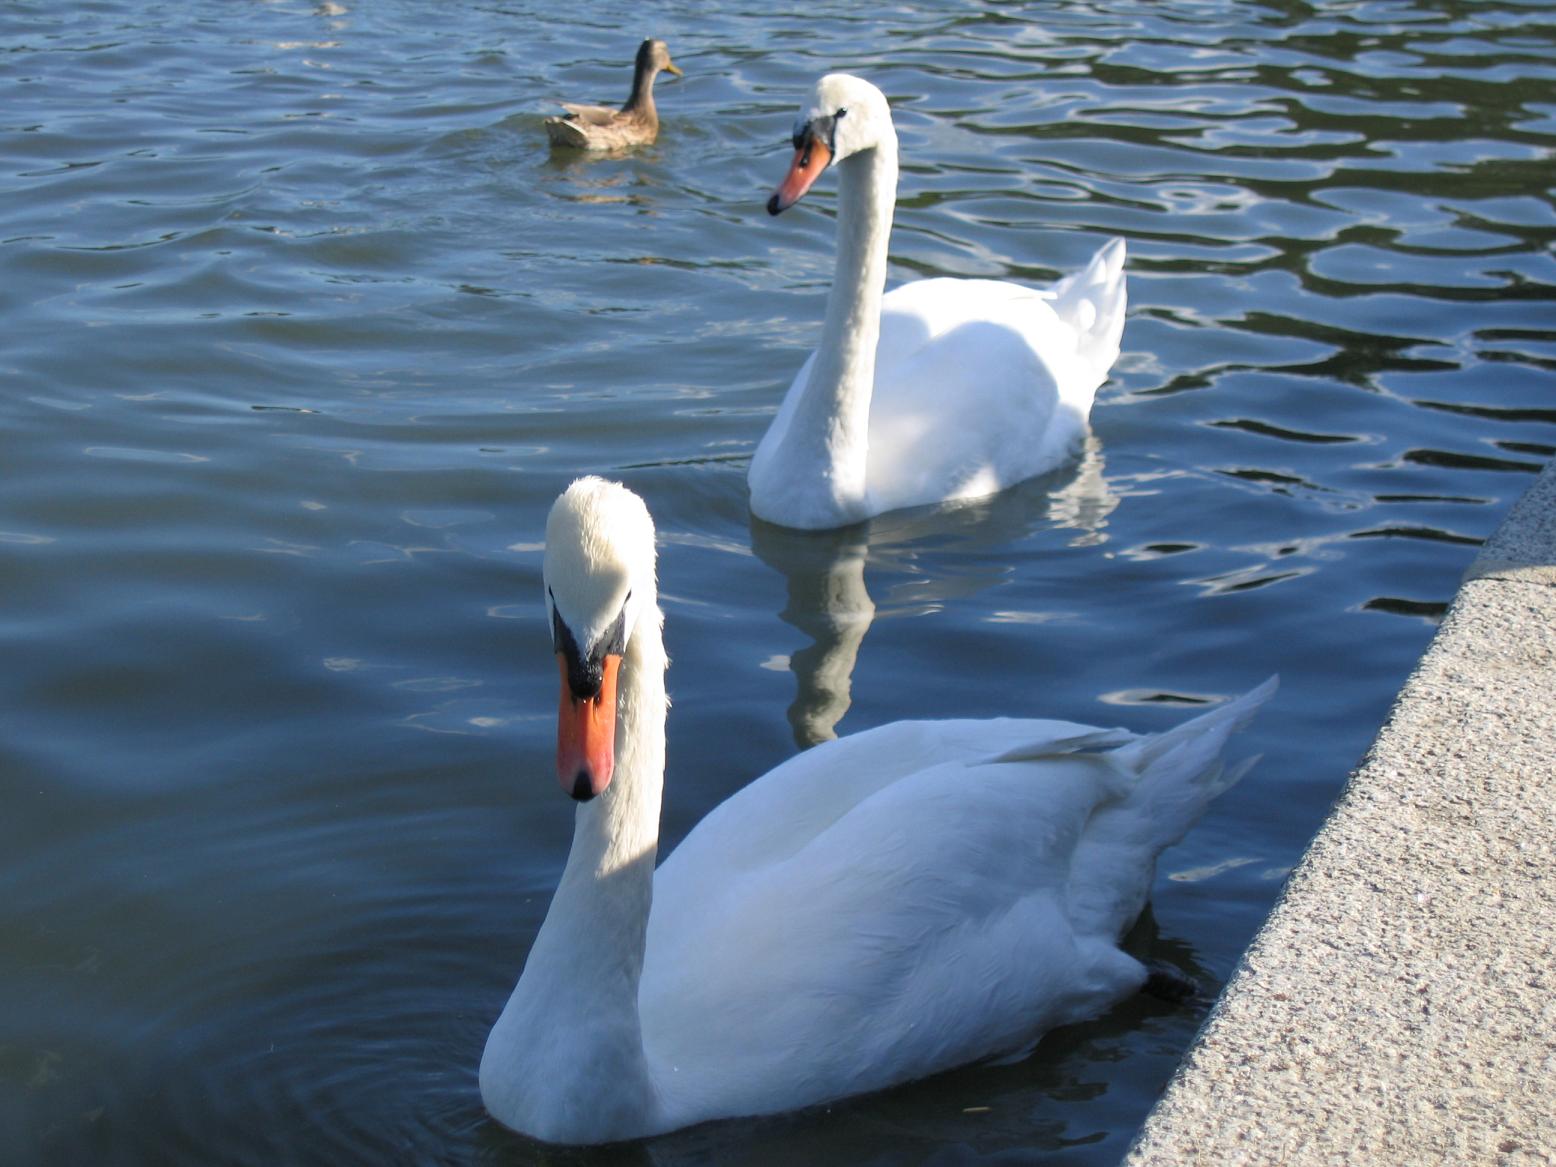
783,810
977,385
925,927
952,910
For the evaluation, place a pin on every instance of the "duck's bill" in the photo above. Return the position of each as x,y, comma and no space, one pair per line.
672,67
809,161
586,735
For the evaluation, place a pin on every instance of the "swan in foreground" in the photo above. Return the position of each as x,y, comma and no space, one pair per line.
599,127
901,901
942,389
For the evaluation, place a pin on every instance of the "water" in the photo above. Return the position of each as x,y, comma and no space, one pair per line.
304,330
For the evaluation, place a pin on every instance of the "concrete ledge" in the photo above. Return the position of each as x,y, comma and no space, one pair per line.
1399,1006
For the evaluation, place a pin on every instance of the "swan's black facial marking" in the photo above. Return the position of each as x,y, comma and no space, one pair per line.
586,671
830,125
818,129
804,140
614,642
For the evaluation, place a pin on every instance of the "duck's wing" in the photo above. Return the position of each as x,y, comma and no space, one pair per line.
591,115
563,132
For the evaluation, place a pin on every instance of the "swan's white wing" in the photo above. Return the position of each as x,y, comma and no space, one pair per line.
785,809
977,385
928,913
974,407
924,927
980,384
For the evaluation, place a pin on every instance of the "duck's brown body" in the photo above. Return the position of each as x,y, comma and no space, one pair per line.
636,123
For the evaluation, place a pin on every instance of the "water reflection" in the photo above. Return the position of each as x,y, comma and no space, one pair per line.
829,603
579,176
828,599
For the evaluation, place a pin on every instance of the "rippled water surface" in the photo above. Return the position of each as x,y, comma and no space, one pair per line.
304,330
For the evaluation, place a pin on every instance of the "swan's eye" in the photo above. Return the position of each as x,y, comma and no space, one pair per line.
841,112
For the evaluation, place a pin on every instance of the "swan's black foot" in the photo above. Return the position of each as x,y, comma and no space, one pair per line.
1169,983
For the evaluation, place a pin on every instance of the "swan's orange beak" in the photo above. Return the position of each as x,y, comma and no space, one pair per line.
586,734
810,159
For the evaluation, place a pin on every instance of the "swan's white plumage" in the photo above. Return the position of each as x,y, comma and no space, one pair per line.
897,902
971,384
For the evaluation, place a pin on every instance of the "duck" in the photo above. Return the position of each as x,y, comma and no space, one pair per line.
940,390
599,127
895,902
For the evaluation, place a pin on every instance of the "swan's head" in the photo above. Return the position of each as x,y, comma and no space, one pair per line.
599,577
844,115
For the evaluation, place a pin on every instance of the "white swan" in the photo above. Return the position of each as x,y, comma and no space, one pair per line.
883,906
942,389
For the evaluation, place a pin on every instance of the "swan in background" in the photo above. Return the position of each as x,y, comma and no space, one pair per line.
942,389
598,127
875,909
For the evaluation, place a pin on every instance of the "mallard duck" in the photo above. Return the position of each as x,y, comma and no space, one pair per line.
599,127
941,389
881,907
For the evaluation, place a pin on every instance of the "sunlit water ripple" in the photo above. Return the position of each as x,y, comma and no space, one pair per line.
305,329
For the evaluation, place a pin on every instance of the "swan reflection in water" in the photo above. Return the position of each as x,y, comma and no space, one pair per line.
825,570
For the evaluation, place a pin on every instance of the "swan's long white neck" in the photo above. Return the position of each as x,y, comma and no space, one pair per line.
567,1053
826,443
599,914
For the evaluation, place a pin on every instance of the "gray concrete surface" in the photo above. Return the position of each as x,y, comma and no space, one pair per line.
1399,1006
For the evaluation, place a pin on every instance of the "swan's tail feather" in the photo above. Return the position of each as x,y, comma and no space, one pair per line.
1201,737
1092,301
1175,776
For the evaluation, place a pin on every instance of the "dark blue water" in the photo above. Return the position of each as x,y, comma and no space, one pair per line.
304,329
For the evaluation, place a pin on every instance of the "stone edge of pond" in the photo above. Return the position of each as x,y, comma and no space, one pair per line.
1399,1005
